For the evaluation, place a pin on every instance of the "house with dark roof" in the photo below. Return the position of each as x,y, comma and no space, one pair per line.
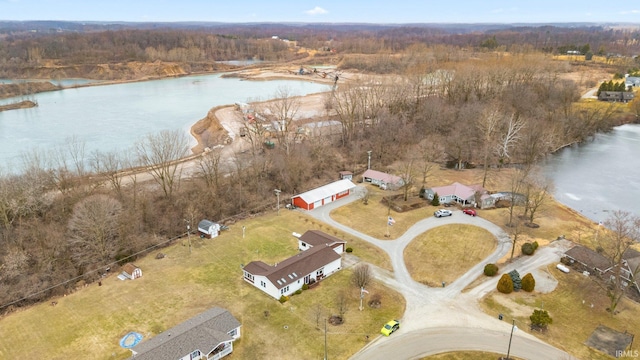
593,261
323,195
286,277
208,229
313,238
209,335
383,180
622,96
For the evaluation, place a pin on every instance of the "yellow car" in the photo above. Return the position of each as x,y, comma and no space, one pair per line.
390,327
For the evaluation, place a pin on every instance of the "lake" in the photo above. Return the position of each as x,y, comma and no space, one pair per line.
599,176
115,117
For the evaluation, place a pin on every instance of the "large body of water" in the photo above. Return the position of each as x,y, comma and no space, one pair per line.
599,176
115,117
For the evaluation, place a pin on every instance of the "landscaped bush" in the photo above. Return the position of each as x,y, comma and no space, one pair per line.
305,286
515,279
349,250
540,319
535,245
527,249
490,269
299,291
528,283
505,284
283,299
436,200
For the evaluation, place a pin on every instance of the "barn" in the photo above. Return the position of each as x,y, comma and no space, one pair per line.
323,195
208,229
130,271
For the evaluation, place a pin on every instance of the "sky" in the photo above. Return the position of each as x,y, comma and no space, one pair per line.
325,11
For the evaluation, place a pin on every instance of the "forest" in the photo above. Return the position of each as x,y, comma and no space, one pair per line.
487,100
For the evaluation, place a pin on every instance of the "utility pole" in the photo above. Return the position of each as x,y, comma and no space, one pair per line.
278,199
188,233
369,160
325,340
513,327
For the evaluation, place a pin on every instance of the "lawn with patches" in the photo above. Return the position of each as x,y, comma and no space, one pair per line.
447,252
570,307
89,323
371,219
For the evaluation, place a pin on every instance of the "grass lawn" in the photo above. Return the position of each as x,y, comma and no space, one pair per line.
182,285
569,305
447,252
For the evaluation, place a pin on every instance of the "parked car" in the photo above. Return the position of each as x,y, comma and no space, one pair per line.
390,327
470,211
442,212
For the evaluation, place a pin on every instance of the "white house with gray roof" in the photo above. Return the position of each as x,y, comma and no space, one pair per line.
209,335
306,267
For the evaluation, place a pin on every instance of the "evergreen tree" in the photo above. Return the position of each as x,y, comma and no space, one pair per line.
436,200
505,284
515,278
540,319
528,283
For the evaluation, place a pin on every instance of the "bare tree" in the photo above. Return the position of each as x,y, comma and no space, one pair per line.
407,177
284,108
622,230
488,127
110,165
515,232
341,303
509,137
94,230
361,276
160,154
431,152
209,167
538,193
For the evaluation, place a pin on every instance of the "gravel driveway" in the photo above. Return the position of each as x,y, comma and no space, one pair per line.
437,319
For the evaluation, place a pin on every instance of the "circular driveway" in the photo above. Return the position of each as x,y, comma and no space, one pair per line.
440,320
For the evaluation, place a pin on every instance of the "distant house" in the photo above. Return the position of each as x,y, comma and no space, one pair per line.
208,229
632,81
288,276
616,96
131,272
323,195
453,193
592,261
313,238
209,335
384,180
346,175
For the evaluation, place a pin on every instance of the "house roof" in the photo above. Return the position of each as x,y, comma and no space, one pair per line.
294,268
457,189
588,257
379,175
205,224
129,268
317,237
202,332
326,191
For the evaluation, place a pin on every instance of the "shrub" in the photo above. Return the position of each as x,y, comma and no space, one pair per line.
535,245
436,200
283,299
528,283
305,286
490,269
540,319
505,284
299,291
515,279
527,249
349,250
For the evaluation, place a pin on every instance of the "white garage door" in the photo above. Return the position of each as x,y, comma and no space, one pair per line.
327,200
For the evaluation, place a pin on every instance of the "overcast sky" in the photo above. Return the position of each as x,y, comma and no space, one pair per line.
370,11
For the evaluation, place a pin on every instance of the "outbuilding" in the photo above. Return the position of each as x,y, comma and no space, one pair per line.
383,180
208,229
130,271
323,195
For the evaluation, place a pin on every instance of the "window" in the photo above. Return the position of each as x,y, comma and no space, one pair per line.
284,289
263,284
248,276
319,272
195,355
233,333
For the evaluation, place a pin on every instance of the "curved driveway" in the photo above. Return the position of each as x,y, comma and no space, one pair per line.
445,319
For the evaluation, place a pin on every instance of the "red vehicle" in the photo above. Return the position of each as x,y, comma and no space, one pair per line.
469,211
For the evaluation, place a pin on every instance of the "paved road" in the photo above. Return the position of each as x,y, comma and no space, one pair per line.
445,319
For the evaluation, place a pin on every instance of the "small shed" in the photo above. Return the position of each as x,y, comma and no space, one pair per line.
130,271
208,229
346,175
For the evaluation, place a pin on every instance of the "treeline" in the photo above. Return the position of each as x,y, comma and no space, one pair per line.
207,44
